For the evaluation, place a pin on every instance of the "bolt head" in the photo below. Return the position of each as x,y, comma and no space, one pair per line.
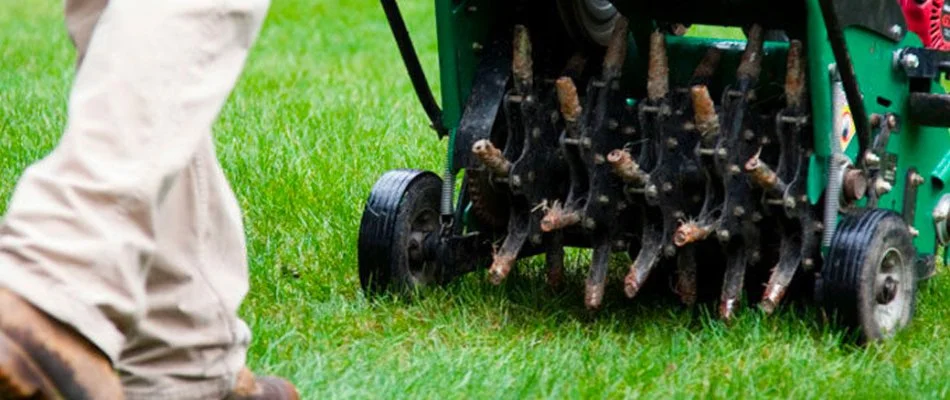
896,31
589,223
910,61
723,235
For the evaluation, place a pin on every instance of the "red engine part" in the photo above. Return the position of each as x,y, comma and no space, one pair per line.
929,19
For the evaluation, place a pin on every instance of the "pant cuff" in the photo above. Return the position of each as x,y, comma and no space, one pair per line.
197,390
55,299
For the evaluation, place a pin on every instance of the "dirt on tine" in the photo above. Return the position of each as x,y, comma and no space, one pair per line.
522,64
705,117
658,75
491,157
567,97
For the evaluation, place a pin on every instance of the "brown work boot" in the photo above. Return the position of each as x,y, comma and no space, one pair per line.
40,358
249,387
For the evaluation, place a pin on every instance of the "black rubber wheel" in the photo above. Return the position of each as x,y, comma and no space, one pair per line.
588,22
402,210
869,278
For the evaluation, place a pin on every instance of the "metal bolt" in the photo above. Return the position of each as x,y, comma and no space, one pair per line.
620,244
670,250
916,179
612,124
477,46
721,152
629,130
530,176
765,140
819,227
896,31
651,191
679,215
881,186
913,231
667,187
756,217
589,223
471,9
603,199
755,256
910,61
536,238
621,205
748,134
536,133
808,262
892,119
599,159
734,169
872,159
789,202
516,180
723,235
671,143
738,211
586,142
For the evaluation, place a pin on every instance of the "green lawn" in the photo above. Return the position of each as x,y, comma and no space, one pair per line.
324,108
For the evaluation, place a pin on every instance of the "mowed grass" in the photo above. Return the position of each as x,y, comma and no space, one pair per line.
323,109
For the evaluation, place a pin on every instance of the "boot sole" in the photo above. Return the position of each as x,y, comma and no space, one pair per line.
20,378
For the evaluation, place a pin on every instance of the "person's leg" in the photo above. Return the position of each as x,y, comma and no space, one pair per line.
191,344
80,238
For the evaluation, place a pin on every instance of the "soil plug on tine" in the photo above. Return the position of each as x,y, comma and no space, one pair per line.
521,64
616,50
795,75
597,278
658,74
491,156
570,106
732,284
627,169
647,258
789,261
557,217
504,259
706,119
751,65
690,232
763,175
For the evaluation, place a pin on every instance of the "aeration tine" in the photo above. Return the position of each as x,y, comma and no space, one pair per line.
658,73
751,64
616,50
597,278
686,275
705,117
522,64
646,260
491,157
795,75
570,105
732,285
557,217
623,165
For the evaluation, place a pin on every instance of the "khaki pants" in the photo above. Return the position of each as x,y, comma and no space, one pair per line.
128,230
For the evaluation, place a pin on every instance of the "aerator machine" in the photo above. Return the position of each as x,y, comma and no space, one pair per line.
808,158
